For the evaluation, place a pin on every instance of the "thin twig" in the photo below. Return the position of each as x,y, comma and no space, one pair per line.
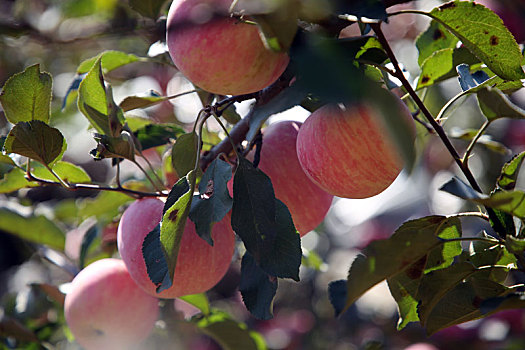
472,143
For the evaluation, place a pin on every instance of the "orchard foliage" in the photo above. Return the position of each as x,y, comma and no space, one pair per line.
439,274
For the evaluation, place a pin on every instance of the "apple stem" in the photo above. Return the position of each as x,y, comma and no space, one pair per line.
463,166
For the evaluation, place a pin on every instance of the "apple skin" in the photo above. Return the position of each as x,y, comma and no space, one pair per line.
307,202
345,149
106,309
199,265
222,55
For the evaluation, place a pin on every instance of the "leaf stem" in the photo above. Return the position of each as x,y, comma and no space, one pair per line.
376,27
448,104
147,176
472,143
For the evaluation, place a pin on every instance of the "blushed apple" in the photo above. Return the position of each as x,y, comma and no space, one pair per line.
105,309
199,265
217,53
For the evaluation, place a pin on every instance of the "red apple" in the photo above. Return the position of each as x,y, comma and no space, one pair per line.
199,265
346,150
217,53
307,202
105,309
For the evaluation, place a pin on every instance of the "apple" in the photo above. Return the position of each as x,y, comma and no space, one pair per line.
217,53
105,309
307,202
346,150
199,265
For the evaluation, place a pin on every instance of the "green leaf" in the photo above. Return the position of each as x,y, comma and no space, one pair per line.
26,96
134,102
4,159
411,242
509,172
257,288
434,39
161,259
312,260
435,67
494,105
68,172
110,60
213,201
87,242
200,301
15,180
405,285
184,153
460,304
484,34
228,333
35,229
104,207
515,245
36,140
153,135
485,140
337,293
92,99
147,8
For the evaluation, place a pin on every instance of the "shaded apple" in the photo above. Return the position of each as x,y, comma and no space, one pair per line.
105,309
347,151
217,53
307,202
199,265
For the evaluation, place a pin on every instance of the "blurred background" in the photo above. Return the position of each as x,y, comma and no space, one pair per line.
59,35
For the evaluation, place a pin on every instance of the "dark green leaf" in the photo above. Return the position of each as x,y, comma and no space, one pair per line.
257,288
213,201
110,60
461,304
147,8
337,292
411,242
35,229
200,301
284,259
87,242
230,334
515,245
434,39
26,96
485,253
285,100
494,105
510,171
184,153
155,259
92,99
153,135
36,140
405,285
484,34
509,301
254,211
122,146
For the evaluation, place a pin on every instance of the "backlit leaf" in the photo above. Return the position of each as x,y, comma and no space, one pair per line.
184,153
484,34
110,60
510,171
433,39
411,242
26,96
